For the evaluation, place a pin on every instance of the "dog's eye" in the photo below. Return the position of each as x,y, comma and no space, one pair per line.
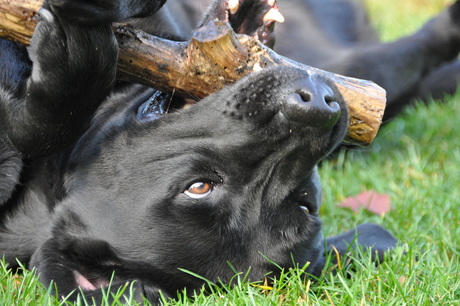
199,190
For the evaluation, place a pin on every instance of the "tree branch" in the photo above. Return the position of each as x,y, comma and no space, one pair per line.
214,58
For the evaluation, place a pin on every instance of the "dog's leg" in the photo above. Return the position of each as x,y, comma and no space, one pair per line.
400,67
441,82
73,72
74,66
424,64
104,11
14,68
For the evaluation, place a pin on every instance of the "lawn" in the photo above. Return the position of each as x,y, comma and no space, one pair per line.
415,160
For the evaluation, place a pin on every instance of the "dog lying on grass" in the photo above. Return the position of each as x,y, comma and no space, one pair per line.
98,179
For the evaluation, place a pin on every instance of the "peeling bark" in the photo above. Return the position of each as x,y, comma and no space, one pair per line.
214,58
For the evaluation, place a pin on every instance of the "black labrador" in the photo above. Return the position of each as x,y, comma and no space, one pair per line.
98,179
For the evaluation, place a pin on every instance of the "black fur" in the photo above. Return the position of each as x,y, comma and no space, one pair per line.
95,178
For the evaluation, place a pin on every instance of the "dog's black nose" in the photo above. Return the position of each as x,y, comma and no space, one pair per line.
312,103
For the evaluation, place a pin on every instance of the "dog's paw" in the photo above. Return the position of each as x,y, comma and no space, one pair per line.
103,11
62,51
446,31
49,39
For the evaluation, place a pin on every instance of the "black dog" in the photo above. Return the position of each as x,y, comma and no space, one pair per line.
97,179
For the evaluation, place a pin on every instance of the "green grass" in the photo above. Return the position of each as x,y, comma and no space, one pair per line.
394,18
415,160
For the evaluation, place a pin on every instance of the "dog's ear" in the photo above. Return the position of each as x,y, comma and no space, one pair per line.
366,236
10,169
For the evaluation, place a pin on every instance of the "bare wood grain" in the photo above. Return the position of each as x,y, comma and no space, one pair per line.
214,58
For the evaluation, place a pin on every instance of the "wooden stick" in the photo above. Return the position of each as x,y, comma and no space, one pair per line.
17,19
214,58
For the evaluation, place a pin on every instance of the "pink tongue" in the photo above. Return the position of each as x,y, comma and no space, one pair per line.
83,282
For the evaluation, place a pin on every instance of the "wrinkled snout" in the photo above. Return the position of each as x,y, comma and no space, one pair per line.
312,103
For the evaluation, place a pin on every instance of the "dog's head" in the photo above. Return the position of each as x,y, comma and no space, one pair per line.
226,185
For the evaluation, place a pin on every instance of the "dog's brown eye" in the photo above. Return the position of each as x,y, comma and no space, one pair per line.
199,190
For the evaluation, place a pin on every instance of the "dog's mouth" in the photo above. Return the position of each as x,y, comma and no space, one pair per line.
88,285
307,207
253,18
308,197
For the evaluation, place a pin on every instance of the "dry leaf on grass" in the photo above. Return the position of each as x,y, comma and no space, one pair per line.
370,200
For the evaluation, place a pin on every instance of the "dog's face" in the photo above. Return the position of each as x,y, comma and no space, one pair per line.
230,181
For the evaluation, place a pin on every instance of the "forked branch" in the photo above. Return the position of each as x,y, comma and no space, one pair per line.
214,58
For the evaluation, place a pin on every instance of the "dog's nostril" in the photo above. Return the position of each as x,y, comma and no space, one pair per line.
307,96
304,95
329,99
